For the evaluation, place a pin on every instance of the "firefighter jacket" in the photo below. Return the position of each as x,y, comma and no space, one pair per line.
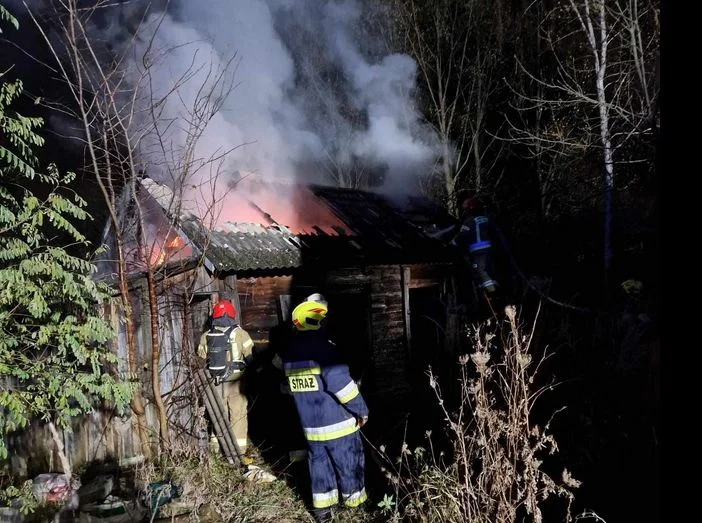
474,235
240,346
328,400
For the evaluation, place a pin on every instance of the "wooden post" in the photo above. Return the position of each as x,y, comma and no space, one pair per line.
237,304
215,408
406,310
230,287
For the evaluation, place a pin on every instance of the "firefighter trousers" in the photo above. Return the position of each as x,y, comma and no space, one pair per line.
340,458
236,404
482,269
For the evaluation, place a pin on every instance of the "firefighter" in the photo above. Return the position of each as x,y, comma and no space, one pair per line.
475,238
227,349
330,408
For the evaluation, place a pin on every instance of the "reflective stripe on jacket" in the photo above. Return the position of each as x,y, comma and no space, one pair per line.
474,235
328,400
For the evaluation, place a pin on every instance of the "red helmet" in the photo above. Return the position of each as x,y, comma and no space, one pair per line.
223,308
468,201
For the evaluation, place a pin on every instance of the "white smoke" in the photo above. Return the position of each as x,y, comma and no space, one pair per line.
383,91
258,128
309,90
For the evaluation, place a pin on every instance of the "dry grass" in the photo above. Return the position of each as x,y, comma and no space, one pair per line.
494,473
217,491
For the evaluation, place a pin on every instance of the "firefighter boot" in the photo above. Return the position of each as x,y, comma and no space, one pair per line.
323,515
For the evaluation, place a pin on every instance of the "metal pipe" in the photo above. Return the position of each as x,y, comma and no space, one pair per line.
205,392
218,415
216,422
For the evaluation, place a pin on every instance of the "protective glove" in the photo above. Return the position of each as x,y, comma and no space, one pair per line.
237,365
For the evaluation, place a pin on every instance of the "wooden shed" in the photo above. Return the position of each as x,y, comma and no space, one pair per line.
388,284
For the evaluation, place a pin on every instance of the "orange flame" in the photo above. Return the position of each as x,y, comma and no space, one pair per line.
173,248
175,243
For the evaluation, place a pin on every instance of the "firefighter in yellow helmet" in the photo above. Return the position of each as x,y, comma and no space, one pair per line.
227,349
331,410
309,314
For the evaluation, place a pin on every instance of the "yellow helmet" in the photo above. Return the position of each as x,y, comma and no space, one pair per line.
308,315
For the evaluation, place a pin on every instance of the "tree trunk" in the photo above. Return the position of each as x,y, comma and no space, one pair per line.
65,464
449,179
608,196
605,137
137,403
155,357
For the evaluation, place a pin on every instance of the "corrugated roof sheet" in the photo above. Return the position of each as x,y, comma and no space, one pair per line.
355,227
388,223
245,246
270,202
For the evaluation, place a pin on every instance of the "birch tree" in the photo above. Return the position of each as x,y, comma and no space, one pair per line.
601,96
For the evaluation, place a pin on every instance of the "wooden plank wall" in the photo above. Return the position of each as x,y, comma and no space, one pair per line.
259,300
104,435
389,346
428,275
101,436
98,436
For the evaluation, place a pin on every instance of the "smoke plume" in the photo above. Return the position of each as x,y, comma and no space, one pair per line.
296,89
302,89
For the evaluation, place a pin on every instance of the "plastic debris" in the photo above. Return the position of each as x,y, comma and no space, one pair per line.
55,488
112,510
161,493
258,475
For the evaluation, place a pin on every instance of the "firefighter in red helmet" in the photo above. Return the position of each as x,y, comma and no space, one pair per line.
475,236
227,349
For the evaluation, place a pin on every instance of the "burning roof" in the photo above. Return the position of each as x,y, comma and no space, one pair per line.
291,205
274,225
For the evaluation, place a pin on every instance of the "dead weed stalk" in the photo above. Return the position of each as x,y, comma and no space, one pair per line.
495,472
